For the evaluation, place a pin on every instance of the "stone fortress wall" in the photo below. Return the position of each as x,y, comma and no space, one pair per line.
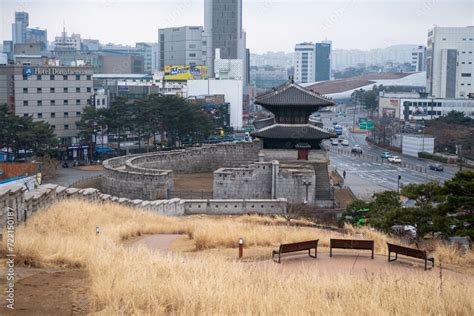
150,176
17,204
295,181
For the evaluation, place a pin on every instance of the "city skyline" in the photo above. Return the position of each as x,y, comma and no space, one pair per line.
340,21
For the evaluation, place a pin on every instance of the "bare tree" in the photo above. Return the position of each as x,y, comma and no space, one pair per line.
292,211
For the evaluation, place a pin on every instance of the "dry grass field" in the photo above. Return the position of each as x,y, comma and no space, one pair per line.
126,280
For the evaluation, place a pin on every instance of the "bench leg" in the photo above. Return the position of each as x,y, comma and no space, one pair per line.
372,253
330,251
315,253
273,258
390,259
426,261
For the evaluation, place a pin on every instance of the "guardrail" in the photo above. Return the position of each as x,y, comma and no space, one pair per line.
372,158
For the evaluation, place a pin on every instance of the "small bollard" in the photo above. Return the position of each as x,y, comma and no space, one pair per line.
241,248
97,230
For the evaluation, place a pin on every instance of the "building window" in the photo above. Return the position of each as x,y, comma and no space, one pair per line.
38,77
40,103
53,115
78,90
64,77
66,126
78,77
25,115
39,90
89,77
40,115
25,103
66,102
53,102
88,101
51,77
192,55
89,89
103,101
25,90
53,126
66,114
65,90
51,90
466,74
78,102
78,114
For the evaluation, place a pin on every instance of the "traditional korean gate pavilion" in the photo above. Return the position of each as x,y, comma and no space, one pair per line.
292,106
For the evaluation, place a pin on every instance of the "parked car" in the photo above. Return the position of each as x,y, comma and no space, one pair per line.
345,142
386,155
334,142
340,138
356,150
395,159
436,167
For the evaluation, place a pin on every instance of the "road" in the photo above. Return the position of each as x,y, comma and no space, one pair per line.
382,175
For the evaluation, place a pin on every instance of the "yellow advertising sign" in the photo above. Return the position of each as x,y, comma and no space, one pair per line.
185,72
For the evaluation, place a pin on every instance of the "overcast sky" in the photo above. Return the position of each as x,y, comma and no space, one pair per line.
271,25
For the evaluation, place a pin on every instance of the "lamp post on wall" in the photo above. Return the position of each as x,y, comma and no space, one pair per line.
306,183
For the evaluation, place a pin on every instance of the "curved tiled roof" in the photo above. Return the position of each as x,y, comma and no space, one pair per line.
293,131
292,94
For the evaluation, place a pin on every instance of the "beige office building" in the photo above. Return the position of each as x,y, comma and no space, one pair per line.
56,95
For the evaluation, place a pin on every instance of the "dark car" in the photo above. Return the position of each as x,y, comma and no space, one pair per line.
436,167
356,150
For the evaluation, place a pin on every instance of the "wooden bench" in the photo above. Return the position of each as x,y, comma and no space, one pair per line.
351,244
297,246
409,252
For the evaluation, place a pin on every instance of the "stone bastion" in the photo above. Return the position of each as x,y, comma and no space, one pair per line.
150,176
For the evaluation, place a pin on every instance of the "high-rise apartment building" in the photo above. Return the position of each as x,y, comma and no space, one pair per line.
304,60
223,30
181,46
312,62
323,61
418,59
449,62
19,27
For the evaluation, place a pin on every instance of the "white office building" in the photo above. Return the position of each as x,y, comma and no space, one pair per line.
232,91
67,43
449,60
412,108
304,62
418,59
228,69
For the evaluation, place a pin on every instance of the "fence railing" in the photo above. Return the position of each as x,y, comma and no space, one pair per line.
372,158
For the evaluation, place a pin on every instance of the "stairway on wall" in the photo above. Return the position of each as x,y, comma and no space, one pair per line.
323,186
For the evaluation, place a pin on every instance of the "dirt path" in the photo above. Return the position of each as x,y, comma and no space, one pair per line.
161,243
48,292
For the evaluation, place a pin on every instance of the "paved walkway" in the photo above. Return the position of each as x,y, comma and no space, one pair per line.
159,243
68,176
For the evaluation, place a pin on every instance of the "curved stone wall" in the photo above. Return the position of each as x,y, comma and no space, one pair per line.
150,176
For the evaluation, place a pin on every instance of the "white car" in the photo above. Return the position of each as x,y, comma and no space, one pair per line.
334,142
345,142
395,159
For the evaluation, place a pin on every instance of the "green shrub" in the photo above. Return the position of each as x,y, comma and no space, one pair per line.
426,155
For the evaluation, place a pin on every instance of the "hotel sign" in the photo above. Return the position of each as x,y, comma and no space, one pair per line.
62,71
